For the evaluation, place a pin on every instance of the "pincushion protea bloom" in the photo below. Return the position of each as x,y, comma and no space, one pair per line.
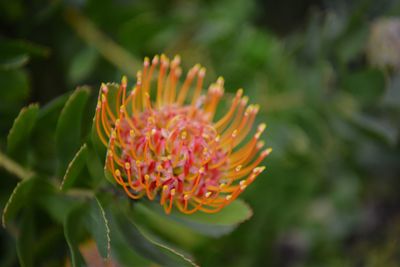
171,148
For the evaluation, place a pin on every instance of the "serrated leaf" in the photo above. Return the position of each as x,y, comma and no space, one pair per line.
43,140
74,168
25,240
49,113
97,225
94,165
24,194
68,132
72,234
148,247
18,137
214,224
121,250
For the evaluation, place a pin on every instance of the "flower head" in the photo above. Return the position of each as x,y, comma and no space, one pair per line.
171,148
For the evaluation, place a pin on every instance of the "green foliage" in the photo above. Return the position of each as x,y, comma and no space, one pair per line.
328,197
68,132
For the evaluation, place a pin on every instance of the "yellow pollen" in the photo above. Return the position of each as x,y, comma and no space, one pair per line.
183,135
117,172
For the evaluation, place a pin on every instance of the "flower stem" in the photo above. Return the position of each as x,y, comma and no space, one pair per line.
13,167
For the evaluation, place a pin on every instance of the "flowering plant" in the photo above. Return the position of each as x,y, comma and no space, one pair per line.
168,149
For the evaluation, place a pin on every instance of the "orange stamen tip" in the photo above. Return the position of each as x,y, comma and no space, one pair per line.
238,168
208,194
146,177
124,80
131,133
266,152
258,170
104,88
165,188
155,60
239,92
228,197
127,165
202,72
172,192
256,108
117,172
244,101
138,163
176,60
234,133
243,185
201,170
146,62
260,144
222,185
183,135
186,197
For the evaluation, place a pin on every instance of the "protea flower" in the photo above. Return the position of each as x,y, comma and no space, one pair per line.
172,148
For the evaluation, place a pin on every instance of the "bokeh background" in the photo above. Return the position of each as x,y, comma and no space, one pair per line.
326,74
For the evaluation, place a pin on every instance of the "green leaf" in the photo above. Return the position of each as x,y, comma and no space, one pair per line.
121,250
45,153
49,113
72,232
24,194
366,85
377,127
95,167
74,168
146,245
15,86
18,137
82,64
25,240
164,226
215,224
68,132
97,225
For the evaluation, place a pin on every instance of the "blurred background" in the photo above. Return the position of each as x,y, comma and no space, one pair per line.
326,74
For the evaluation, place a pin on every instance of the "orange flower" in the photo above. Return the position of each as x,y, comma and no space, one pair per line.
172,148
